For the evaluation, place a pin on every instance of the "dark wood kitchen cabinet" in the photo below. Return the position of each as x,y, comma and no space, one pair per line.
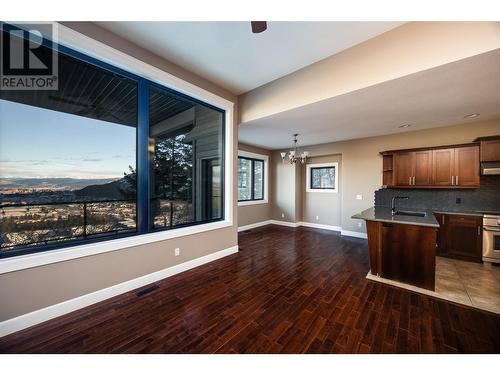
490,148
460,237
422,168
467,166
441,235
454,166
403,167
401,252
413,168
443,167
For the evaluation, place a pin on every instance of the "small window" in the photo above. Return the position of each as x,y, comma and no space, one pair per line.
322,178
251,179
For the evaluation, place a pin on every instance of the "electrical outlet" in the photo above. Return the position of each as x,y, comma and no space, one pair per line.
359,197
360,225
282,215
177,251
317,217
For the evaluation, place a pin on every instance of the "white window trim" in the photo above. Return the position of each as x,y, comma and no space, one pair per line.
265,158
322,165
105,53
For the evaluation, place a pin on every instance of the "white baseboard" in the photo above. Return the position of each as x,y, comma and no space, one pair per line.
353,234
284,223
254,225
27,320
304,224
320,226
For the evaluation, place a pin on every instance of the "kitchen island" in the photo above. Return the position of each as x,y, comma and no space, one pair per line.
402,246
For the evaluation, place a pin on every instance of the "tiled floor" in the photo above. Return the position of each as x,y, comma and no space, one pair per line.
476,284
471,284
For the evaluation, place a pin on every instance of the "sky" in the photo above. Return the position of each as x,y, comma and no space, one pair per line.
41,143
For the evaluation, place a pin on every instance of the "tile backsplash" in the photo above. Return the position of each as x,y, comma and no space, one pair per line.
486,198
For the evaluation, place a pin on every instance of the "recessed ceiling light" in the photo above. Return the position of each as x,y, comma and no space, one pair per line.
472,115
404,126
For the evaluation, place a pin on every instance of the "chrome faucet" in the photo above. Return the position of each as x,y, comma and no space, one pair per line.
393,203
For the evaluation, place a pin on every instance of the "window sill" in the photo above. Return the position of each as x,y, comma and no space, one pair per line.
68,253
250,203
322,191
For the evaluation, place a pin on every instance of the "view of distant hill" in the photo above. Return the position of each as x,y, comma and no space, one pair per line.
58,183
111,190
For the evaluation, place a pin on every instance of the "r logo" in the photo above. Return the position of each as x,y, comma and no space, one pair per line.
28,56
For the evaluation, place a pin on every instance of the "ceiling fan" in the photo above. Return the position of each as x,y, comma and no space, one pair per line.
258,26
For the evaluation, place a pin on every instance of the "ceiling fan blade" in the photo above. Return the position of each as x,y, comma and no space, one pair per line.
258,26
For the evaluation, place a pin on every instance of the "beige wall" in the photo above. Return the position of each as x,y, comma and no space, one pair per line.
285,183
362,167
255,213
327,206
410,48
27,290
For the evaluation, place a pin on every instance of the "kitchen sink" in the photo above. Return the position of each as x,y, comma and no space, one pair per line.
410,213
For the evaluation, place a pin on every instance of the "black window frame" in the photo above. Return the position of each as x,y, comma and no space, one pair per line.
311,186
252,179
144,223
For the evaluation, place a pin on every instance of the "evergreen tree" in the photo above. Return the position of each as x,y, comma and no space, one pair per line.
173,173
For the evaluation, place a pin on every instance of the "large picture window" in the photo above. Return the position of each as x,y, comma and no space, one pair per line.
186,160
251,179
81,164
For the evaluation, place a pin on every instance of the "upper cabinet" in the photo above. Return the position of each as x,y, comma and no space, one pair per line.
403,168
467,166
490,148
438,167
443,167
413,168
422,168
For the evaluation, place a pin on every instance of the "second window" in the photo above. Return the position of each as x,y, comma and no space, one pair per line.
250,179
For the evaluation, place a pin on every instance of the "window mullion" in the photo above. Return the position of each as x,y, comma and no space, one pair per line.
143,178
252,179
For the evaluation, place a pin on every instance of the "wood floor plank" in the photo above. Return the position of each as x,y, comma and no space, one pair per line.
289,290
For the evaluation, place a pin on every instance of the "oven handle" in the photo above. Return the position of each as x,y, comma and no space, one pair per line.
491,229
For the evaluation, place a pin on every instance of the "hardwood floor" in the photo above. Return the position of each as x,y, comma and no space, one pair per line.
287,291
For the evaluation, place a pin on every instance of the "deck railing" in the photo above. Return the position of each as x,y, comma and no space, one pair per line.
87,210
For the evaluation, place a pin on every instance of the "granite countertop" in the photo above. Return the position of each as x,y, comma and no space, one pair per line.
384,214
452,212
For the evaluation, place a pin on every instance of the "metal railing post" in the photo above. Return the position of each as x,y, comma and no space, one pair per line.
85,220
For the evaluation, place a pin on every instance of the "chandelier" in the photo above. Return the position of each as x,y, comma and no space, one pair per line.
293,156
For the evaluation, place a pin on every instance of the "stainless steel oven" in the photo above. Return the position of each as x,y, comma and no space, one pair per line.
491,238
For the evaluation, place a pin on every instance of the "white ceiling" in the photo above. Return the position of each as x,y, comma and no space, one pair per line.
436,97
230,55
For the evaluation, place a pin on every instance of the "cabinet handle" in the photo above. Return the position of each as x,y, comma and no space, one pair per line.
456,180
442,219
413,180
409,180
453,180
478,231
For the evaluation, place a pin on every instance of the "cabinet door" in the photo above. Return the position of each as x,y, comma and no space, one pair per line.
490,150
467,166
463,237
373,229
422,170
443,166
441,234
408,254
403,168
